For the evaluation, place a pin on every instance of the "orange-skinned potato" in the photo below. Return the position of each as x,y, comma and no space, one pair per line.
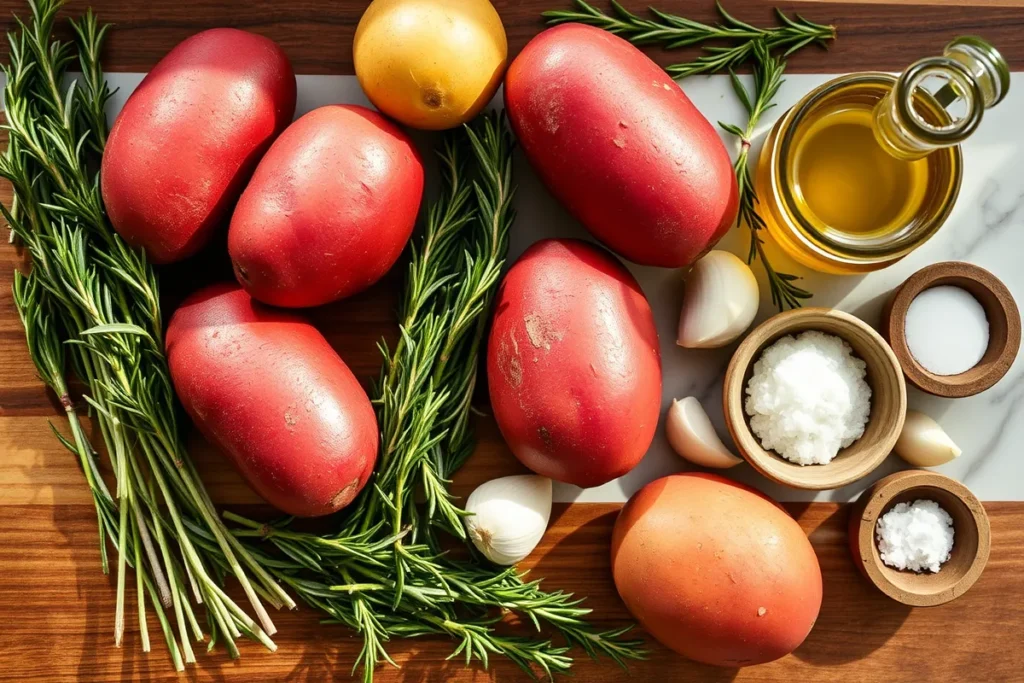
328,210
621,146
266,387
715,570
573,364
188,138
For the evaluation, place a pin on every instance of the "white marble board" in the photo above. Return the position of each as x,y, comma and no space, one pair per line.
986,228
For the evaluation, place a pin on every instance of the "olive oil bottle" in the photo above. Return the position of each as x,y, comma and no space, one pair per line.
867,167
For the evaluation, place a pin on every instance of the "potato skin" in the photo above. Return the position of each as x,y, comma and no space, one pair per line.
266,387
715,570
328,210
621,146
430,64
573,363
188,138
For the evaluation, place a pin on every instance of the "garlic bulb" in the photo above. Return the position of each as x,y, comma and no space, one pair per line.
691,435
719,303
923,443
509,517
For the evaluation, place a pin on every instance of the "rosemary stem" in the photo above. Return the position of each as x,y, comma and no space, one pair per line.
157,566
172,644
164,450
122,550
216,527
187,548
223,621
147,543
174,598
95,482
278,597
139,589
242,618
197,631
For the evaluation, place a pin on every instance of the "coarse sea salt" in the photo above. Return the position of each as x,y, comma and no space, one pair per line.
917,536
807,397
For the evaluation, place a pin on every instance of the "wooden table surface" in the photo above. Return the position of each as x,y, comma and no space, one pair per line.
56,607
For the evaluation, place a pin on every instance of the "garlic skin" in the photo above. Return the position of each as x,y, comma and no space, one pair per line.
923,443
510,515
691,435
719,302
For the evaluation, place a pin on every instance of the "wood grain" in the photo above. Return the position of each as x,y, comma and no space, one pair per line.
57,614
317,34
56,608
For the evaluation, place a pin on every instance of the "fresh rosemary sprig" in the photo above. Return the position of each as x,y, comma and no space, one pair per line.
674,32
385,574
767,80
92,301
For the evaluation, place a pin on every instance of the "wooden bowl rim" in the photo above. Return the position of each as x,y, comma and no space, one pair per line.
953,386
874,500
733,391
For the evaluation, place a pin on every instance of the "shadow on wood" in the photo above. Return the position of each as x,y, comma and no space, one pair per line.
855,619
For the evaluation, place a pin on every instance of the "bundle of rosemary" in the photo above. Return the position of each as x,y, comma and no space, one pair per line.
724,46
90,307
386,574
91,301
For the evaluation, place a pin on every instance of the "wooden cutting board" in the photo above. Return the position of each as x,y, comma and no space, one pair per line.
56,607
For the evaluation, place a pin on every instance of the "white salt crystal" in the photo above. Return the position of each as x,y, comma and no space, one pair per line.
946,330
808,398
915,536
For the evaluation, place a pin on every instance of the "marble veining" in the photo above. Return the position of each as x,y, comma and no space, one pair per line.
986,228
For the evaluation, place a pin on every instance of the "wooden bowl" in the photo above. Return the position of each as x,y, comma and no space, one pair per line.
1003,322
888,400
971,540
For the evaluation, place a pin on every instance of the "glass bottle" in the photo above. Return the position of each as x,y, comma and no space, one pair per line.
866,168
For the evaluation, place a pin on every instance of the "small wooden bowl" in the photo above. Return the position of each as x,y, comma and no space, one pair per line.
971,540
888,399
1003,328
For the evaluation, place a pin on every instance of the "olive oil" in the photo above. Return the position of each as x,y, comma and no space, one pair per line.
867,167
845,180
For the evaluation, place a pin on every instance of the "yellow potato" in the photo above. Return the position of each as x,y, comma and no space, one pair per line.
430,64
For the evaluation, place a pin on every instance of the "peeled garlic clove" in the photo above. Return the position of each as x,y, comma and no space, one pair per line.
923,443
509,517
719,303
691,435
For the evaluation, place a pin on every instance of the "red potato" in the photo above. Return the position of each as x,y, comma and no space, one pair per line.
188,138
621,146
266,387
715,570
328,210
573,364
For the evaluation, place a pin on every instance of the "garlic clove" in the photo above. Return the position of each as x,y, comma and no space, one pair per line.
510,516
691,435
719,302
923,443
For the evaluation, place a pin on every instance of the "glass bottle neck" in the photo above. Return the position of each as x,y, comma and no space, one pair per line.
939,101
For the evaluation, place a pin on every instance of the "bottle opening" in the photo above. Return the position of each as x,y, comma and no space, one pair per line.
946,92
944,84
